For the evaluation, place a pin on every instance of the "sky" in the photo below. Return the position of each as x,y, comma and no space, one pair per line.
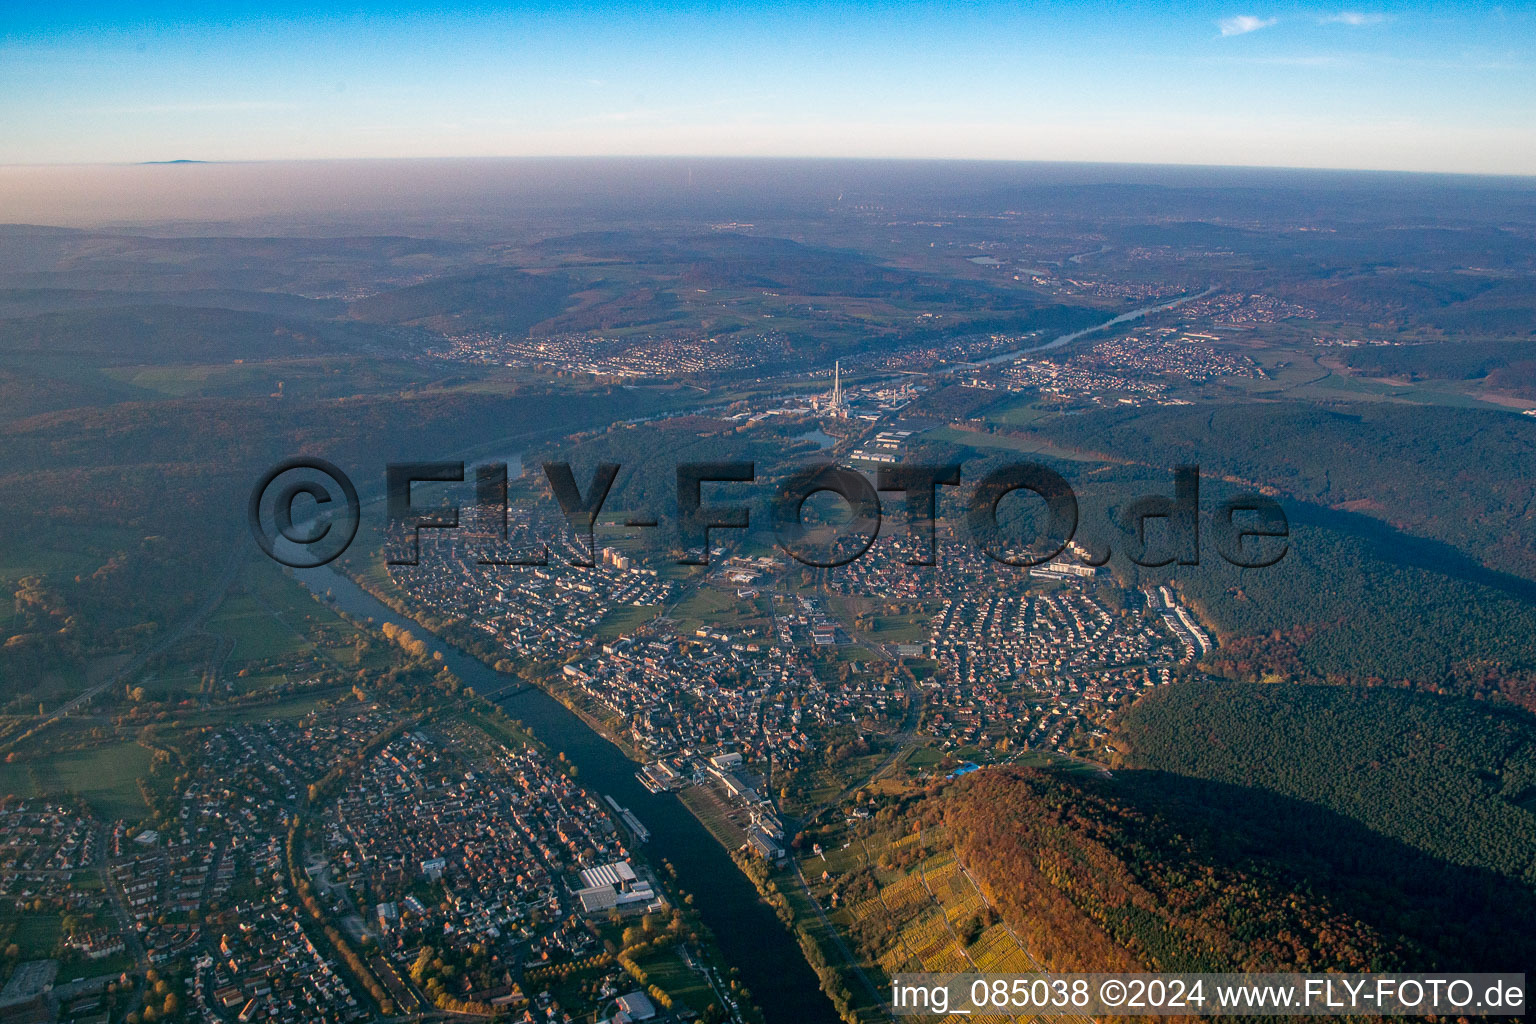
1395,86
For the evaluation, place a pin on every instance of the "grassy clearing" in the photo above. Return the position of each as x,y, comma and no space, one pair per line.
106,777
282,709
625,619
707,606
173,381
899,629
74,970
271,630
1016,413
666,969
16,780
37,935
258,634
21,560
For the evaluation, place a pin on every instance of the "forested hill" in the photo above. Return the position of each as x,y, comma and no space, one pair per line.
1407,465
1156,871
1454,778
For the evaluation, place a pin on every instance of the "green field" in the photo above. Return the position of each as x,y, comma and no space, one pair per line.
258,633
707,606
625,619
37,935
176,381
282,709
269,628
106,777
881,626
19,561
16,780
924,757
1016,412
687,987
73,970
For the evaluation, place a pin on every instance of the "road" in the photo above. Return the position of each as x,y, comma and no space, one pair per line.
902,742
1017,941
167,640
837,939
131,941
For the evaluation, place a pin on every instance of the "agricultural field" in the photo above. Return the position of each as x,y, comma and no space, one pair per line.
707,606
106,777
908,905
268,651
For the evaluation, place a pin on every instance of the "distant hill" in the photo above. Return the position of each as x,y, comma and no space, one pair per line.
171,334
504,300
17,302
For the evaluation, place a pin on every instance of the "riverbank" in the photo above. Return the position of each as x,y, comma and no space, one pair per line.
792,903
766,958
1067,339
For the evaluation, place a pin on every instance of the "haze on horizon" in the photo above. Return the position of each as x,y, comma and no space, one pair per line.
468,197
1390,86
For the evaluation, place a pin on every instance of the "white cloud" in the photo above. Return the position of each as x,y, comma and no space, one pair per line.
1354,19
1243,23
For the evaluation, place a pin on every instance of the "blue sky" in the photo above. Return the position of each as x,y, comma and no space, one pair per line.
1400,86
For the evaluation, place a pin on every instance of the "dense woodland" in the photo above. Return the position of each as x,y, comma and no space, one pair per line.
500,299
1506,365
1406,465
1338,608
1453,778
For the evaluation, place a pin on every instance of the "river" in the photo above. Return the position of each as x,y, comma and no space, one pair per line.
1067,339
823,439
749,935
